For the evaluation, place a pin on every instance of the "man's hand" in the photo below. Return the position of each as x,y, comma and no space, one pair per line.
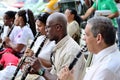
65,74
35,65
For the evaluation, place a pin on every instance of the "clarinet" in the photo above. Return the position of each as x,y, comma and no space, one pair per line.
24,57
1,29
36,55
1,47
72,64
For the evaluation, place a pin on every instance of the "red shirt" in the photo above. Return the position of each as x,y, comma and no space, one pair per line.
9,59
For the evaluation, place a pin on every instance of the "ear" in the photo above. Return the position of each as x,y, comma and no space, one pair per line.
99,38
58,27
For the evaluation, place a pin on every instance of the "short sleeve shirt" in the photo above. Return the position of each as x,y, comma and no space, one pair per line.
107,5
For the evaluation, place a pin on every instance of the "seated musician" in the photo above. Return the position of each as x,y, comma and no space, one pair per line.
46,49
8,20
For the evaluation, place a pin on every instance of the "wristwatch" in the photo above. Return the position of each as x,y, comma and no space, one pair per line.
41,71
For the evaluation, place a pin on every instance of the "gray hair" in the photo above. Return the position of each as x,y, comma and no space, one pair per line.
103,25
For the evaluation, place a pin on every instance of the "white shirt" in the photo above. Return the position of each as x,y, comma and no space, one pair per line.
106,65
21,35
65,51
73,28
8,72
6,29
46,49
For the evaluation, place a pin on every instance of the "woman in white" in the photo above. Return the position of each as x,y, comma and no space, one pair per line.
46,50
73,27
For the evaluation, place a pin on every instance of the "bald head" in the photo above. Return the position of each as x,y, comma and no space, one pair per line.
56,26
58,18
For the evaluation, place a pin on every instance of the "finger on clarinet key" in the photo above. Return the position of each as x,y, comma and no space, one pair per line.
29,53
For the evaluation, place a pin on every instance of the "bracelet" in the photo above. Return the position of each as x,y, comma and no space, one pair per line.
41,71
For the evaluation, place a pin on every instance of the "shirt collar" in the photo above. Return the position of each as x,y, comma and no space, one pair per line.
104,52
62,42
